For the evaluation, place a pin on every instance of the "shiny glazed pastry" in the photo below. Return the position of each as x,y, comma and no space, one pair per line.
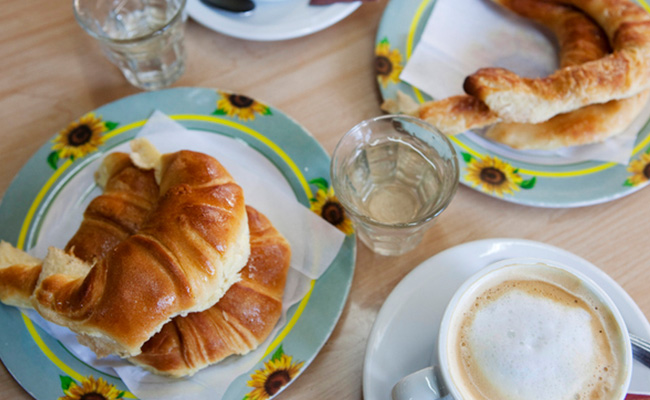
238,323
129,195
185,256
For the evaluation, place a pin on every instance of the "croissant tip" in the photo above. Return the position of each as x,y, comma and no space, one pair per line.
145,155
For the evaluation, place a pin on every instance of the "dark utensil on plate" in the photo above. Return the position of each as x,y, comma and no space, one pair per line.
231,5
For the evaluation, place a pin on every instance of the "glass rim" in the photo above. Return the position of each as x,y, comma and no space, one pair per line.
178,14
449,195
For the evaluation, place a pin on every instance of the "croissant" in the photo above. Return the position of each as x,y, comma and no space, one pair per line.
619,75
129,194
18,275
187,253
238,323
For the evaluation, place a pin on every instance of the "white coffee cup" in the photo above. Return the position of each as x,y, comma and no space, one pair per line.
526,329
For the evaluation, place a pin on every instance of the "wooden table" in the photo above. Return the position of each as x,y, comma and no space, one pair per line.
51,73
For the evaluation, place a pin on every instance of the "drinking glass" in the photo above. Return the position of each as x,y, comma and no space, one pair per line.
393,175
144,38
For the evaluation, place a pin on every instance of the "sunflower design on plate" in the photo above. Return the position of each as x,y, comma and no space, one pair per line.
388,63
328,206
89,389
640,169
243,107
81,137
276,374
495,176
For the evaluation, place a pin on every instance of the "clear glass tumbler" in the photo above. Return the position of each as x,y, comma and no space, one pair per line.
393,175
144,38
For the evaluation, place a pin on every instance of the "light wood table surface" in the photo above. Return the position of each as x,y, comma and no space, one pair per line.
51,73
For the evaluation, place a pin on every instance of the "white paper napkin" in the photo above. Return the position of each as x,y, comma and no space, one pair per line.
314,244
462,36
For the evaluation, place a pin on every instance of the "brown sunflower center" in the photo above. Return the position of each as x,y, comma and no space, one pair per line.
92,396
646,170
383,66
492,175
80,135
275,381
333,213
240,101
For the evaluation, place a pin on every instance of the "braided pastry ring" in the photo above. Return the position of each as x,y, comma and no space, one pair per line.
619,75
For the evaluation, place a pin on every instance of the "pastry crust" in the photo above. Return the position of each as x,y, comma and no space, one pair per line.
583,41
579,40
241,320
622,74
589,124
129,194
238,323
19,273
185,256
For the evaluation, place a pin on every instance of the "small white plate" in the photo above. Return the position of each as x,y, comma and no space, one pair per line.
271,20
404,334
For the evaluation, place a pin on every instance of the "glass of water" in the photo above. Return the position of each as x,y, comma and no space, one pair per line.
393,175
144,38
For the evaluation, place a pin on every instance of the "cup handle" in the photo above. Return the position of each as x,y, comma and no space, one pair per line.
423,384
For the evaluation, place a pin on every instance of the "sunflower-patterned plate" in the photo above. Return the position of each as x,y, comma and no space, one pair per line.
41,364
496,173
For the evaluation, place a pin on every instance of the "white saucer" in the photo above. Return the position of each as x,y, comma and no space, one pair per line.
271,20
405,331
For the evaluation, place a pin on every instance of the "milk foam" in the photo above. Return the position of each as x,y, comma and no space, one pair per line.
538,349
536,340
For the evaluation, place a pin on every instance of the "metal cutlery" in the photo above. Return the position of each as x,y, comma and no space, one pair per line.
640,349
231,5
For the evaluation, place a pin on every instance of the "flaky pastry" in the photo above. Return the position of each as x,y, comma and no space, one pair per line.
580,40
184,257
621,74
238,323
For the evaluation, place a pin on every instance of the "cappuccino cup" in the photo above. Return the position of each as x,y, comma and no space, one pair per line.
526,329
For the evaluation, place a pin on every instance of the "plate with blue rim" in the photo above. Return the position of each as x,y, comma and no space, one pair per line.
496,170
40,363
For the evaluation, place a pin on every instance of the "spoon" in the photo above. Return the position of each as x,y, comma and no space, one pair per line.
641,349
231,5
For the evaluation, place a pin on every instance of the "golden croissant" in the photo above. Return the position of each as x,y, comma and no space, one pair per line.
187,253
129,195
238,323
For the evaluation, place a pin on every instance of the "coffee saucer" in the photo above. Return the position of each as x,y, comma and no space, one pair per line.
405,331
